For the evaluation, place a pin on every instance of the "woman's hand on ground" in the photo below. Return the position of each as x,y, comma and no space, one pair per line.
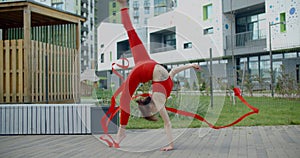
168,148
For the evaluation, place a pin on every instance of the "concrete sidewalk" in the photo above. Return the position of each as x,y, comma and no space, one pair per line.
234,142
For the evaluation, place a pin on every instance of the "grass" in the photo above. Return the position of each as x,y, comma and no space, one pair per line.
272,111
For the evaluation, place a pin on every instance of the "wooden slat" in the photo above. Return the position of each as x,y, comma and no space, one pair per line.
61,89
40,78
14,70
48,67
7,71
43,58
54,72
73,75
51,98
20,70
35,71
77,62
64,73
32,71
58,74
1,72
67,73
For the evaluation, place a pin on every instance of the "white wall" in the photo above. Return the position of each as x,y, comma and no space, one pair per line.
290,38
187,18
108,35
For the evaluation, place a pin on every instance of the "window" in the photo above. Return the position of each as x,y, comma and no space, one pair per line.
159,10
265,66
58,5
207,12
290,55
252,23
110,56
187,45
136,13
208,31
170,40
102,58
282,22
253,66
146,10
147,3
277,56
114,13
136,20
114,5
276,69
136,4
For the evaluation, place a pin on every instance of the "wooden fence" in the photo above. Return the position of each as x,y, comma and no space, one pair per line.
53,72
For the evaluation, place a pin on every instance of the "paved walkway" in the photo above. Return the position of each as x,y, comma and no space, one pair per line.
234,142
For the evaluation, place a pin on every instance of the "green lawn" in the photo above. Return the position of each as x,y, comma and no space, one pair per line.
272,111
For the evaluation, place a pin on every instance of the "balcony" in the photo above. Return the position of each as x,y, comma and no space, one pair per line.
246,42
163,40
123,49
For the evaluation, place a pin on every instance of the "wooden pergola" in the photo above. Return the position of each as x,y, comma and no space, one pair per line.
39,54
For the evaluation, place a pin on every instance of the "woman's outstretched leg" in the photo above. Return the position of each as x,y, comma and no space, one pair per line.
138,50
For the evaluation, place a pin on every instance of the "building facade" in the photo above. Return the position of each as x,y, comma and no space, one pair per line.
88,48
238,33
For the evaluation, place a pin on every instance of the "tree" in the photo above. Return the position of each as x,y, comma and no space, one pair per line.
285,83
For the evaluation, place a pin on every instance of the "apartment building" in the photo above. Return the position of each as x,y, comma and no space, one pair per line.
84,8
238,33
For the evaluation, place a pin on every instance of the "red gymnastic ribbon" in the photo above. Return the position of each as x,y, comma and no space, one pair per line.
112,111
237,93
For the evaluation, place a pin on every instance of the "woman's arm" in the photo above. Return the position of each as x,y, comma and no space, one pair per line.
176,70
159,100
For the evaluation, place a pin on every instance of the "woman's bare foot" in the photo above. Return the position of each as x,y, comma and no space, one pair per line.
168,148
120,136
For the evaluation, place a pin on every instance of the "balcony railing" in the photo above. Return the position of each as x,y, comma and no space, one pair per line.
163,49
245,39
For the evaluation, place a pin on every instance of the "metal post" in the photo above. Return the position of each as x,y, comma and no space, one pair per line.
271,61
271,55
211,81
232,45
